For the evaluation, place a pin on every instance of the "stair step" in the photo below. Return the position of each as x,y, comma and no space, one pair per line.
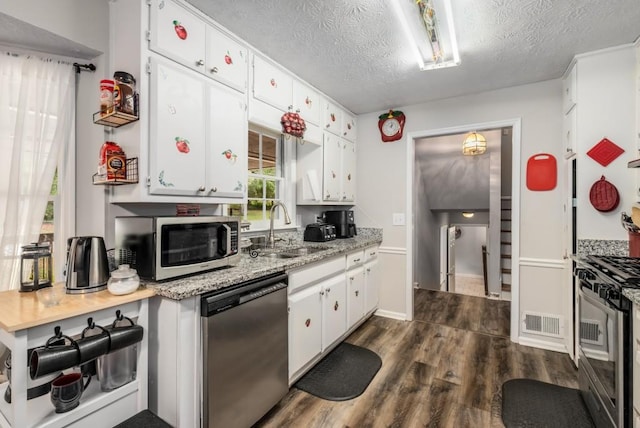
505,256
504,270
505,209
505,230
505,242
506,287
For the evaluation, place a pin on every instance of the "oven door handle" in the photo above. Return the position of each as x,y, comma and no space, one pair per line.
597,301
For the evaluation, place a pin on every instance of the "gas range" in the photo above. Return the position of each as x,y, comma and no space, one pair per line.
616,270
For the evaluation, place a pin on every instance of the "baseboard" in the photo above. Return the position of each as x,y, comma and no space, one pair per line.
542,344
393,315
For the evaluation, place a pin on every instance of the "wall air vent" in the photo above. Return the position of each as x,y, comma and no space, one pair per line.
591,332
543,324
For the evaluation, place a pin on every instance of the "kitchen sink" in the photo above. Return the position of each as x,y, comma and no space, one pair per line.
290,253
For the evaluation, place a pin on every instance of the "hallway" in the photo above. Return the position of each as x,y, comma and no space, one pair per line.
444,369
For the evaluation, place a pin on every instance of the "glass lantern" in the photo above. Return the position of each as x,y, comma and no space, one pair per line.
35,266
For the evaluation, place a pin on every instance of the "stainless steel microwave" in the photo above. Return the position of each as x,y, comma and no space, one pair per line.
161,248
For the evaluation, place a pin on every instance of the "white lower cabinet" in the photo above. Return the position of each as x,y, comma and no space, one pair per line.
327,301
355,296
371,285
334,309
305,327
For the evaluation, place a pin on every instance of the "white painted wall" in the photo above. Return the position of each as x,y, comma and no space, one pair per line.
82,21
469,250
85,22
605,108
381,194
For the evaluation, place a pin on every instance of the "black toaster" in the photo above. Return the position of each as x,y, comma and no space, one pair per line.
319,232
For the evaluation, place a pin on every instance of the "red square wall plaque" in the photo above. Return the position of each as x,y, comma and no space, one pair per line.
605,152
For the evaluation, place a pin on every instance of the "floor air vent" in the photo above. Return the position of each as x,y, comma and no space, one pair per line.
544,324
591,332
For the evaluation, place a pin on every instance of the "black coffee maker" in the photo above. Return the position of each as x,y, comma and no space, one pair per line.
344,222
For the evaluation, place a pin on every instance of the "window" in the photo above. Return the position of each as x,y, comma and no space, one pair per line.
266,181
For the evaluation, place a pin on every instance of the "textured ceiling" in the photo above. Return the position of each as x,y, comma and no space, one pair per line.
354,50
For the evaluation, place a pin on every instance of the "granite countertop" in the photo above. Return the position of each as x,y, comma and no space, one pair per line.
250,268
632,294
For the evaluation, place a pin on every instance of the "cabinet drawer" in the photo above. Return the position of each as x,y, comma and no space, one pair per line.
370,253
308,275
355,259
636,356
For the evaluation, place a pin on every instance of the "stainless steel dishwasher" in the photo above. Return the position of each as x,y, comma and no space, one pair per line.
245,347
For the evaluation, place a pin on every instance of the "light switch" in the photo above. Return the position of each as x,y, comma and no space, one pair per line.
398,219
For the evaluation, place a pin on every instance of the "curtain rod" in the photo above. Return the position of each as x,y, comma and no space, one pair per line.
84,67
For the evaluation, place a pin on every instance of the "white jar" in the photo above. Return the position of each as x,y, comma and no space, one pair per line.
123,281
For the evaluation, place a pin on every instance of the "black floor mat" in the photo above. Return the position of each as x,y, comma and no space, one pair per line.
343,374
144,419
528,403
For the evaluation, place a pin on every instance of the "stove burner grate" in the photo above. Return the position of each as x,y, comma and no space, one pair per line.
624,269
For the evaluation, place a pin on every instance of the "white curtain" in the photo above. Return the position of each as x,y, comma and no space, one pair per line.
37,110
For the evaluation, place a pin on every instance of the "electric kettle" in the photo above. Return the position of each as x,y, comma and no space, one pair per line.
87,265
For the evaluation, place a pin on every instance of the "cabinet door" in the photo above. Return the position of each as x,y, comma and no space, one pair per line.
355,296
305,327
271,85
331,174
226,143
569,90
177,34
349,127
307,101
177,152
569,130
372,285
332,118
334,309
348,171
226,60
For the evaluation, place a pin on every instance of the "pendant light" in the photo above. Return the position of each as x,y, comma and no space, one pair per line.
474,144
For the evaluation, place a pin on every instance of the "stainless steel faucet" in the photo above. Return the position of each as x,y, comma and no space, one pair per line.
271,240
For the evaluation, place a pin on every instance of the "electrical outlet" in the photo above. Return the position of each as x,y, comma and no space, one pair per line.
398,219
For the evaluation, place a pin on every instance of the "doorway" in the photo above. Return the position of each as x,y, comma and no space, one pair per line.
416,194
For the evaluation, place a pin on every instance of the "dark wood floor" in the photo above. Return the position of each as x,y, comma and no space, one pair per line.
444,369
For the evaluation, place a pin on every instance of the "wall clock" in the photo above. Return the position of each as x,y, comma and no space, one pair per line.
391,125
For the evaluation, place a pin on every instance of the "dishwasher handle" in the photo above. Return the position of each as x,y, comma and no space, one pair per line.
227,298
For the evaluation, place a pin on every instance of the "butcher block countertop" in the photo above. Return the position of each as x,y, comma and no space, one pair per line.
19,311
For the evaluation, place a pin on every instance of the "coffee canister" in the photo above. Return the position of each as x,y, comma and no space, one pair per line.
126,89
106,96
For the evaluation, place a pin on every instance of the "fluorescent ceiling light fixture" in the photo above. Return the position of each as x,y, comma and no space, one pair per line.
467,214
429,29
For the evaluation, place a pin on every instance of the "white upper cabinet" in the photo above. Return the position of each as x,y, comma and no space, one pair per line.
348,127
177,131
332,118
182,36
226,60
226,143
332,168
177,34
348,171
271,85
569,90
306,101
